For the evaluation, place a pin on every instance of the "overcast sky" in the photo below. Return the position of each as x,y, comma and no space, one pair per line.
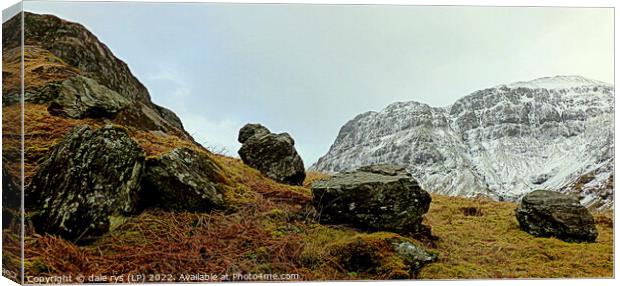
308,69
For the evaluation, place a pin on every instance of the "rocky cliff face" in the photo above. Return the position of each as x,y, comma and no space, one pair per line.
550,133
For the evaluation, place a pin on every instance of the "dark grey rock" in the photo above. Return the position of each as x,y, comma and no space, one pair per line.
86,178
379,197
183,180
553,214
81,97
274,155
250,130
169,116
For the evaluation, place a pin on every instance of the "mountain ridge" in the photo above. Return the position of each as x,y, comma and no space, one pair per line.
535,129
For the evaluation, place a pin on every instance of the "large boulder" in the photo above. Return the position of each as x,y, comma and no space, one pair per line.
547,213
81,97
376,197
274,155
86,178
183,180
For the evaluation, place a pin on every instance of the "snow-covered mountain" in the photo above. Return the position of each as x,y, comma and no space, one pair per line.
552,133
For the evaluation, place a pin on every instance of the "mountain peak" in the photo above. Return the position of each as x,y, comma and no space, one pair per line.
498,142
558,82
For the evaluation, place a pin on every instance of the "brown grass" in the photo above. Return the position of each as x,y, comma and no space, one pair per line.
272,229
41,131
41,67
493,246
250,181
270,235
156,143
261,236
172,243
312,177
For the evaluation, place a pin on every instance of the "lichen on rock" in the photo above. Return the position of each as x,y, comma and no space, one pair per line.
272,154
552,214
378,197
87,177
81,97
183,180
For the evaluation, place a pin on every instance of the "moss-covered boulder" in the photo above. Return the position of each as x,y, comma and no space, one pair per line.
377,197
383,254
86,178
183,180
272,154
547,213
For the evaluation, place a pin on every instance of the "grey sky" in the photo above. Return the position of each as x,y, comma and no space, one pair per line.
307,69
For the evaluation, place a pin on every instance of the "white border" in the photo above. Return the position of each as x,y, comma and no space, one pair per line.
539,3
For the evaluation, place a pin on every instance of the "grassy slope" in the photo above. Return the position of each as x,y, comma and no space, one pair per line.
492,246
272,229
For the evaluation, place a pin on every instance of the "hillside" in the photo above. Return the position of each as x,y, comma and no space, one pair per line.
265,227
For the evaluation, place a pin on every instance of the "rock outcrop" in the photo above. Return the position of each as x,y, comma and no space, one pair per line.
183,180
81,97
377,197
86,178
75,51
274,155
552,214
501,142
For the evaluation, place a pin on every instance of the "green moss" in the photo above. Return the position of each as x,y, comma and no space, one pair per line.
276,214
260,255
355,255
367,254
36,266
265,268
116,221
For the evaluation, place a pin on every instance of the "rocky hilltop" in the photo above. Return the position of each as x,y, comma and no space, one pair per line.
552,133
56,50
